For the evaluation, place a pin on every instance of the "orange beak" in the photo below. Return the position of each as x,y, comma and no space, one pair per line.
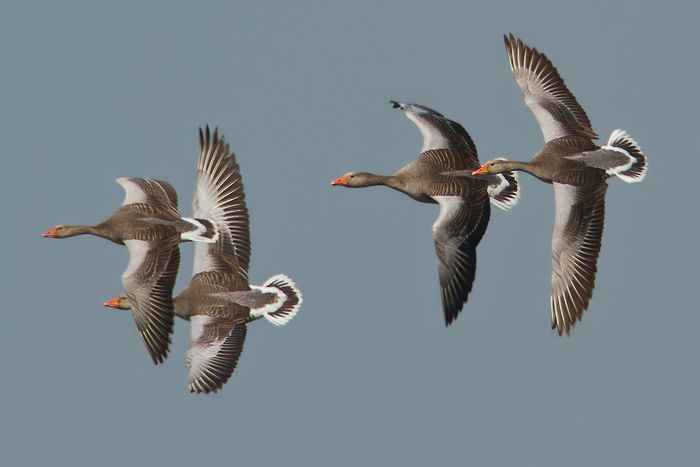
484,169
340,181
50,233
114,303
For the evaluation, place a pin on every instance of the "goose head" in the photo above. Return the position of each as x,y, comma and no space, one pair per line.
355,180
493,167
121,303
57,232
63,231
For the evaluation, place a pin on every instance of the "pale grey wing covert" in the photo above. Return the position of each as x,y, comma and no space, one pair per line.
154,192
554,106
457,231
148,280
576,241
219,196
215,347
438,131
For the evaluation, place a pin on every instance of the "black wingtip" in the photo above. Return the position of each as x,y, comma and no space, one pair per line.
208,138
395,105
204,142
511,40
508,39
452,310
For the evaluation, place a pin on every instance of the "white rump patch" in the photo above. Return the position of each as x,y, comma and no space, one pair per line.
283,309
619,168
271,307
285,315
622,137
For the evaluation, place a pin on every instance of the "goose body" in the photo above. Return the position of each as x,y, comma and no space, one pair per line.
464,202
578,169
149,225
149,212
219,301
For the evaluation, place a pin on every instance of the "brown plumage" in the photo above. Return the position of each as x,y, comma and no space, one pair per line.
578,170
464,202
219,301
149,224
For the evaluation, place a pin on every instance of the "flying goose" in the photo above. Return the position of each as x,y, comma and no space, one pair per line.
578,169
150,226
219,302
464,202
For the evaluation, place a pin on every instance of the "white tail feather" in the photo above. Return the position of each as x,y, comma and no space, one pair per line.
636,170
505,192
288,301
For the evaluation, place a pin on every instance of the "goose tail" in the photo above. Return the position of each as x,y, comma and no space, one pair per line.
504,190
289,300
636,169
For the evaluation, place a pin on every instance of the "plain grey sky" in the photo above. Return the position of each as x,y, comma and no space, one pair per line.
366,374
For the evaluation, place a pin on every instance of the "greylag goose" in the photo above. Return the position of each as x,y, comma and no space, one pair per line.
219,302
464,202
149,224
578,169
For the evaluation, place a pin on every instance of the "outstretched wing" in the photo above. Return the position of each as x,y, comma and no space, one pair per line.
457,232
578,230
555,108
147,191
148,280
219,197
439,132
215,347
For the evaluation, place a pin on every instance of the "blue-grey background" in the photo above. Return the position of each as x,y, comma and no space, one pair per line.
366,374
